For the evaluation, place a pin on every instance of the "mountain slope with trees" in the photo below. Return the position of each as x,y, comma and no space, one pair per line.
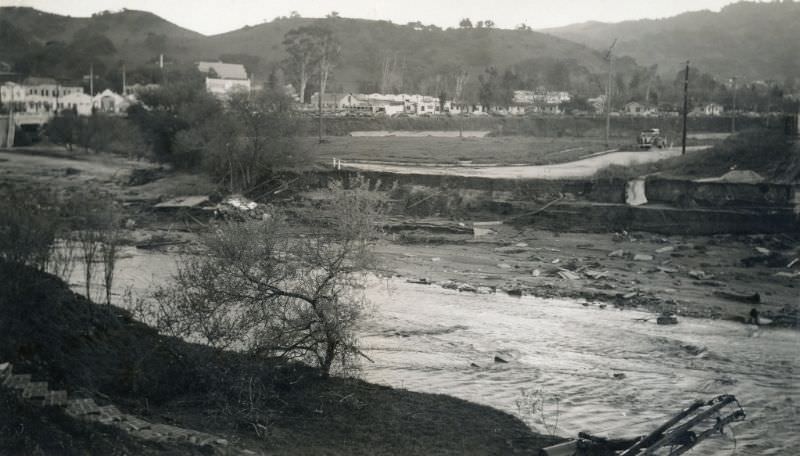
746,39
375,55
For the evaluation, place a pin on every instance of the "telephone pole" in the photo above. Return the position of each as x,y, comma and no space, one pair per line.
91,79
319,105
685,106
733,114
610,58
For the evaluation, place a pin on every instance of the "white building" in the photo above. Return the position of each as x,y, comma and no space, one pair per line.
40,96
108,102
224,78
80,102
713,109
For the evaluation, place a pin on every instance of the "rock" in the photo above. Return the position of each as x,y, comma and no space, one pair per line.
630,295
511,250
435,259
666,249
450,285
500,360
504,266
420,281
754,298
617,253
480,232
536,273
619,375
667,319
467,288
36,391
693,350
762,250
57,398
521,244
642,257
700,275
592,274
474,365
568,275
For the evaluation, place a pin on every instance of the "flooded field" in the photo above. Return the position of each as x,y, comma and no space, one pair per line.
429,339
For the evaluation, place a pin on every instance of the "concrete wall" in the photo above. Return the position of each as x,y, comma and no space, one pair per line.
674,206
682,193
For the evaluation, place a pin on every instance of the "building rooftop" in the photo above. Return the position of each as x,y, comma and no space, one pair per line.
224,70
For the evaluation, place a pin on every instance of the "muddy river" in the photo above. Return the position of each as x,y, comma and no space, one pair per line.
429,339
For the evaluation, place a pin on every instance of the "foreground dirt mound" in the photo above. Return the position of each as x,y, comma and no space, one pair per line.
54,334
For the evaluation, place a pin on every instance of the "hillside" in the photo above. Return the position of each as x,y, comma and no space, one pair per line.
425,54
746,39
425,60
137,35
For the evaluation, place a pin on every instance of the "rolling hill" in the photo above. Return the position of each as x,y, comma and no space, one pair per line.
425,58
745,39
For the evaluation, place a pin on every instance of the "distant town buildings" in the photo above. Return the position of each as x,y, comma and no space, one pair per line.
108,102
713,109
224,78
41,96
524,102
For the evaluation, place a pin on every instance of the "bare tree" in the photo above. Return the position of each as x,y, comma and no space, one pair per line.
299,45
88,239
328,50
461,79
392,73
265,289
109,249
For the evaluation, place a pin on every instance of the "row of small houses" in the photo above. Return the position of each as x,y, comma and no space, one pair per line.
424,105
43,96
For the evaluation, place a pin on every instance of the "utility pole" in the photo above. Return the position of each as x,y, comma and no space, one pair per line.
91,79
161,65
733,116
610,58
124,84
11,122
319,105
685,106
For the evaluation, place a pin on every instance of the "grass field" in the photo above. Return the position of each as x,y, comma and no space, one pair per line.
431,150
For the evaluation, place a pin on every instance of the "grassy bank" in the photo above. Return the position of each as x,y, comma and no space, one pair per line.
103,353
551,126
767,152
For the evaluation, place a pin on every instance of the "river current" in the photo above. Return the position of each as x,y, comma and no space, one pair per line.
600,370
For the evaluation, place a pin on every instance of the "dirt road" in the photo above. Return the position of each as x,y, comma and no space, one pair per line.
586,167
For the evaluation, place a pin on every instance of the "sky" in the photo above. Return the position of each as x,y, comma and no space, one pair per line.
212,17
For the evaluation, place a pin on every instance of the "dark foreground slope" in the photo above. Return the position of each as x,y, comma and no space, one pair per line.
58,336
